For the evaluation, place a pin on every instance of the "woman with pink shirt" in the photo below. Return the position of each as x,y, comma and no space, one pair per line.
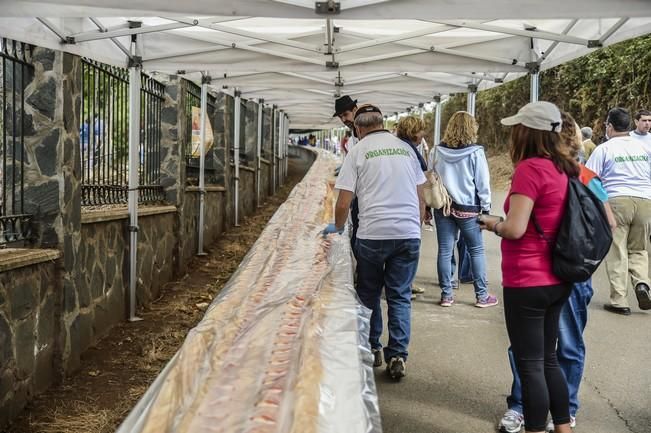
533,295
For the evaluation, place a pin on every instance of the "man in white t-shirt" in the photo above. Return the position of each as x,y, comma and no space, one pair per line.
345,108
623,164
384,173
642,127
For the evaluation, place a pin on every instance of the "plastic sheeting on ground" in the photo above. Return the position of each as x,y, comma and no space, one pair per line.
284,347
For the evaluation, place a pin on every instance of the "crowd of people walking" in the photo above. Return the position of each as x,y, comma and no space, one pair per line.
382,187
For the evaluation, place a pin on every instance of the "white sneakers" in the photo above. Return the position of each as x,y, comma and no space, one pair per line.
513,422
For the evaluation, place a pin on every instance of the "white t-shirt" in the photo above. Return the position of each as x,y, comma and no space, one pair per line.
646,138
383,171
624,165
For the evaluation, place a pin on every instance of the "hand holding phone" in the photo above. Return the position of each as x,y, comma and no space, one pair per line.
488,222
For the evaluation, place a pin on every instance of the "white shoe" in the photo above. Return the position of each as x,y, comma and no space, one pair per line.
511,422
550,424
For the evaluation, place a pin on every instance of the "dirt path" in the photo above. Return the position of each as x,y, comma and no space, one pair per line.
116,372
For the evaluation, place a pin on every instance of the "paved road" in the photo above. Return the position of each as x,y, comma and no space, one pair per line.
458,374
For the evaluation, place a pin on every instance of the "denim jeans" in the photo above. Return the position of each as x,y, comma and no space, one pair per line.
446,230
570,350
391,264
465,273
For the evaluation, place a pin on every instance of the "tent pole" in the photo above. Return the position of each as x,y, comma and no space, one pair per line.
535,86
134,161
259,148
286,145
236,157
472,98
274,143
281,133
205,80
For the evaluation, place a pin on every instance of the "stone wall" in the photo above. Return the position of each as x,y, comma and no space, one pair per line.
213,221
265,181
247,203
29,300
52,311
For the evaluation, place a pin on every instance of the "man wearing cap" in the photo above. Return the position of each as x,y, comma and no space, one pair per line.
384,173
345,110
622,163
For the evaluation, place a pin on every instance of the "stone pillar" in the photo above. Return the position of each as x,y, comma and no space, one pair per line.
173,126
218,152
250,120
53,176
172,157
229,181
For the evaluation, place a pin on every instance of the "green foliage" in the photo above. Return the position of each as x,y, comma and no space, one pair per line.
618,75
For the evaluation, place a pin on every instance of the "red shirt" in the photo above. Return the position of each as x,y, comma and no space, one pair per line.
527,262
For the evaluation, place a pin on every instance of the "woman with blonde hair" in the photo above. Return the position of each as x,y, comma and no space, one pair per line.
411,130
462,166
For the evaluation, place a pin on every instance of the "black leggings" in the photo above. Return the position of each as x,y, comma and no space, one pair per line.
532,315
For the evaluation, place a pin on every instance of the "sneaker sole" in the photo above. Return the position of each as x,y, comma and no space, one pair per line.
643,299
486,305
503,429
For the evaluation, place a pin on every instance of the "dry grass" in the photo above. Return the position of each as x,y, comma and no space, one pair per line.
76,417
117,372
501,170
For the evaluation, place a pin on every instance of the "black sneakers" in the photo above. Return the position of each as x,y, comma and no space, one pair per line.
643,295
377,357
396,368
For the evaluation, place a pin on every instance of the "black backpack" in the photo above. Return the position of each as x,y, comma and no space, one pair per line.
584,237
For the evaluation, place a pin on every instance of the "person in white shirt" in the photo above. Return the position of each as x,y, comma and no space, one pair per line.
623,164
384,173
345,108
642,127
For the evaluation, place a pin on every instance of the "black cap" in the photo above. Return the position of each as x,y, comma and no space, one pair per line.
344,104
367,108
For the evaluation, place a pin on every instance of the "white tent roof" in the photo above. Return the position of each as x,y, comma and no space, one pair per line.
292,56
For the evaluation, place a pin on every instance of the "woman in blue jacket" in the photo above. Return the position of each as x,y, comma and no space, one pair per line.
463,168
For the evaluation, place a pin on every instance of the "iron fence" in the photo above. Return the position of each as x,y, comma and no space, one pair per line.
16,74
151,106
191,144
104,135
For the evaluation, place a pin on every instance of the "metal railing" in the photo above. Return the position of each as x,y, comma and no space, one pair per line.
16,73
104,135
151,106
190,148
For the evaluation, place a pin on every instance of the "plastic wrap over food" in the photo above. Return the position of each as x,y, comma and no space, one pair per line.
284,347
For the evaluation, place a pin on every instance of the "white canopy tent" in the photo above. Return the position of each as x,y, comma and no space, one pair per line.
298,56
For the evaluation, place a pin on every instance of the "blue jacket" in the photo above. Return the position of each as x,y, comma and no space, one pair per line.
464,172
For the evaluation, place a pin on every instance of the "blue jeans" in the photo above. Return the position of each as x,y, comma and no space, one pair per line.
465,273
446,230
391,264
570,349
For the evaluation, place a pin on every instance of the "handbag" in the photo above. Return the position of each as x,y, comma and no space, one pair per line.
436,195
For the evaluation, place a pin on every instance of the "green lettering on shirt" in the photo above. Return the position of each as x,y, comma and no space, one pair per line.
395,151
632,158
